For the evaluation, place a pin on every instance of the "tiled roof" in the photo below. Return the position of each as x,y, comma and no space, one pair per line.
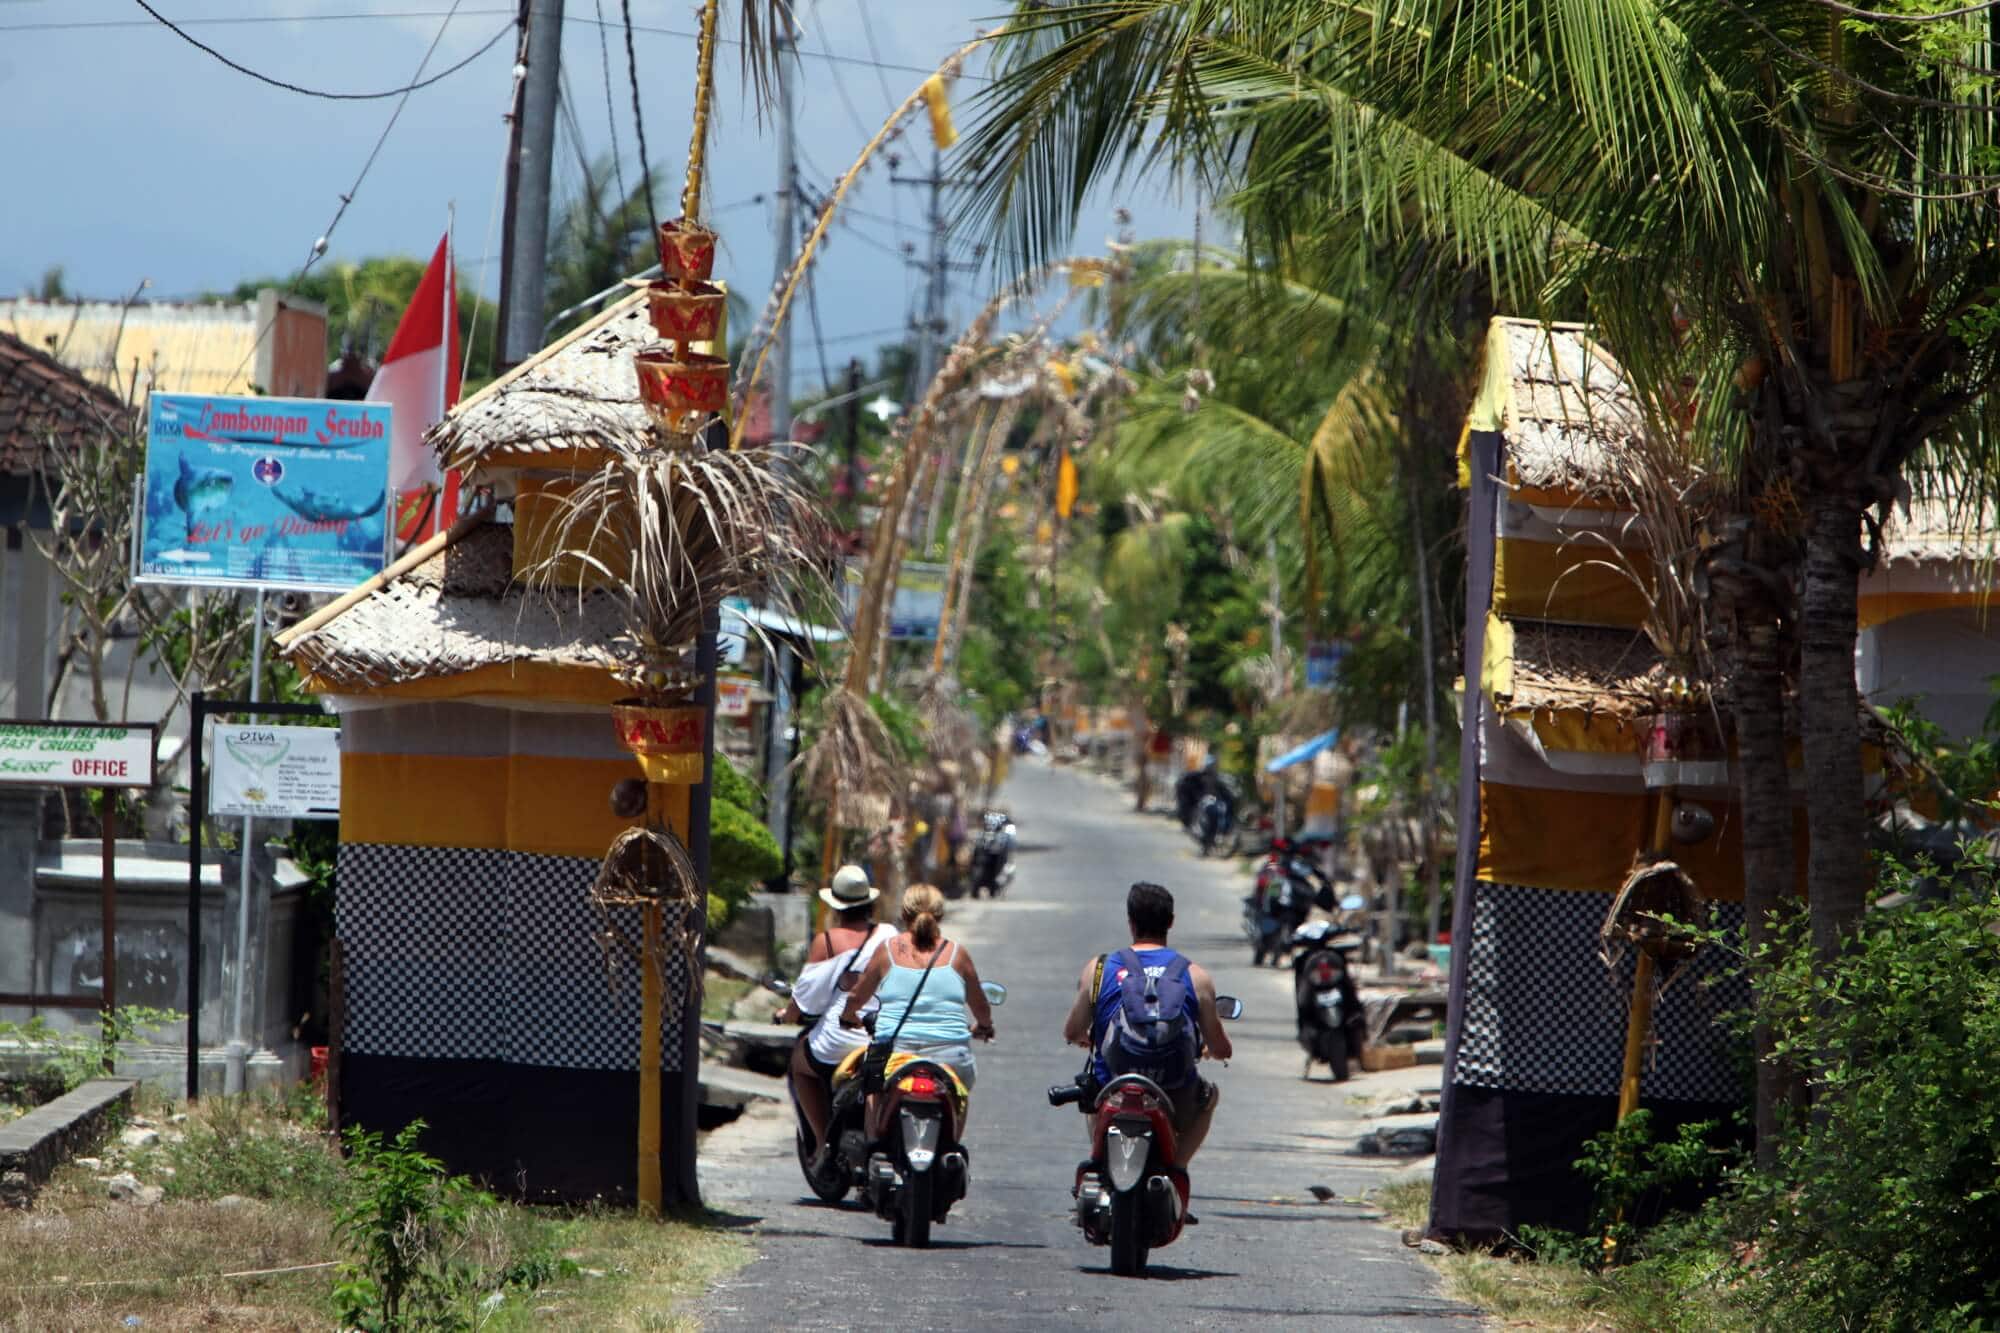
41,399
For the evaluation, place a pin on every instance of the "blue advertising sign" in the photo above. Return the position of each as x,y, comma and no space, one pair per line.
1323,663
264,492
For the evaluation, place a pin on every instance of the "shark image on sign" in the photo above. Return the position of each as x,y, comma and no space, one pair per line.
201,490
316,507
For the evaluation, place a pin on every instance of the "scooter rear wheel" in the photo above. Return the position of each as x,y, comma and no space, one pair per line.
914,1212
1128,1238
831,1185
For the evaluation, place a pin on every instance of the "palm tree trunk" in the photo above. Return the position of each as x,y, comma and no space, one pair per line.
1837,875
1758,689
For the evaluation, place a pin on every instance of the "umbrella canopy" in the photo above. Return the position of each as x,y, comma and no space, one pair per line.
1300,753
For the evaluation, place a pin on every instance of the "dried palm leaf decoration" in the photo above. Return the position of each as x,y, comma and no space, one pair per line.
649,867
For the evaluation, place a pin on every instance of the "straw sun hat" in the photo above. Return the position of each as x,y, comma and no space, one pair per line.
850,889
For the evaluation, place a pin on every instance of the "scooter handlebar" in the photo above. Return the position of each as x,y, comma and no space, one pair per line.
1066,1095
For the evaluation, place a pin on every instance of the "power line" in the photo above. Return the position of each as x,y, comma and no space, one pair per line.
252,20
405,91
610,108
639,120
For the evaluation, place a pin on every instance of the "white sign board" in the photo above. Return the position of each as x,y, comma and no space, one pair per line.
275,772
72,754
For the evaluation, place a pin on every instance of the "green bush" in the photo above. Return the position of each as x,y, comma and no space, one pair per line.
732,786
741,855
1884,1209
258,1147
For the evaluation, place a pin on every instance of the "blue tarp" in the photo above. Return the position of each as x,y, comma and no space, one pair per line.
1299,754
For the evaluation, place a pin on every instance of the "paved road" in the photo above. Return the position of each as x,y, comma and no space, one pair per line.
1009,1256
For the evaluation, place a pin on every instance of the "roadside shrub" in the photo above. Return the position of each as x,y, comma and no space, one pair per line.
742,855
1884,1209
269,1146
68,1059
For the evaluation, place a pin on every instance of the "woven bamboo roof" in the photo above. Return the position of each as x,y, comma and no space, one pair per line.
1564,399
450,607
1611,672
1560,400
580,393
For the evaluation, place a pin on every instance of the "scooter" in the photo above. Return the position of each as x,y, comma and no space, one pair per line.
1132,1193
916,1168
1288,887
993,854
1331,1025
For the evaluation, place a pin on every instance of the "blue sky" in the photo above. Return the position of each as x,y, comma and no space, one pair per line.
131,154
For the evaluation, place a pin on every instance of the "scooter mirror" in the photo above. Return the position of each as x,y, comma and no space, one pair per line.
1353,902
778,986
995,992
1228,1006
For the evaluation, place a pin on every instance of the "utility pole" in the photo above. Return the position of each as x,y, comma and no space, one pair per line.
778,744
930,333
1278,669
524,244
779,385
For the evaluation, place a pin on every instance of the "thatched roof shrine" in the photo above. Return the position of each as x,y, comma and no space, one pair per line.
450,608
580,393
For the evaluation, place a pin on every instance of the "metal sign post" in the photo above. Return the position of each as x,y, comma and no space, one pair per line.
200,709
110,757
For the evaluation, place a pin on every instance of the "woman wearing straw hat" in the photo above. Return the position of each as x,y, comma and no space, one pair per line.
846,947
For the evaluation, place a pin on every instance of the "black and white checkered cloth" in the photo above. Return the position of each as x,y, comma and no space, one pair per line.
487,955
1544,1014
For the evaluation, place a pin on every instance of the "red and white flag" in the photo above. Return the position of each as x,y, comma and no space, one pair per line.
419,377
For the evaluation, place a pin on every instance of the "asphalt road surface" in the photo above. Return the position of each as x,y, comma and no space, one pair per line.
1009,1256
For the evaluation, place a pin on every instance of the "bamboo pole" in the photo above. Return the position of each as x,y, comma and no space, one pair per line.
649,1067
975,451
982,484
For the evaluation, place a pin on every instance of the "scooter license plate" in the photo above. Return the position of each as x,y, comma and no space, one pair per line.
1327,999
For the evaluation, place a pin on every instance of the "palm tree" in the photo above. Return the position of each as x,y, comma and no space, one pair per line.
1780,212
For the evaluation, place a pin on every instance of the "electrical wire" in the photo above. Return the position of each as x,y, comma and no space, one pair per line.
639,120
319,245
610,107
404,91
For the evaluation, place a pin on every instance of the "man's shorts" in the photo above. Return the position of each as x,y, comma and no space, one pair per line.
1190,1101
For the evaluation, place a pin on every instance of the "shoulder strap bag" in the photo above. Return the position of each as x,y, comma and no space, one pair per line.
875,1064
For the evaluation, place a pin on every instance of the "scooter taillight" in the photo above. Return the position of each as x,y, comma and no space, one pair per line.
919,1085
1323,974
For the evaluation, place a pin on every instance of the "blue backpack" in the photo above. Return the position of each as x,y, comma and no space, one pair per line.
1150,1032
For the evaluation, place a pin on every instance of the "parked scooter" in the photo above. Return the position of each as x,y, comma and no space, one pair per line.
993,854
1287,888
1132,1193
1331,1025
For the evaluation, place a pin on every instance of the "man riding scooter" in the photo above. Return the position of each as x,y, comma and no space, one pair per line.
1149,966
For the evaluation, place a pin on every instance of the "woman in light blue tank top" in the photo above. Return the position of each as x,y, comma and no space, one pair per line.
931,1012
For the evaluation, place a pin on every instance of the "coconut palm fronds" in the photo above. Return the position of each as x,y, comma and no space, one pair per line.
671,533
851,764
952,734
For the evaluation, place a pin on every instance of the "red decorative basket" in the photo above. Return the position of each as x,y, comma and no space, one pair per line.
686,312
682,390
686,250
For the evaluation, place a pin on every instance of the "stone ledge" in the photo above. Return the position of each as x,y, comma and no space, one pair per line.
32,1147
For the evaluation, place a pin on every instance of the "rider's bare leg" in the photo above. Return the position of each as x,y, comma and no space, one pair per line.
1190,1142
812,1094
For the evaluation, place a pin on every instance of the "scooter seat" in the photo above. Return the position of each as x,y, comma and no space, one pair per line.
850,1066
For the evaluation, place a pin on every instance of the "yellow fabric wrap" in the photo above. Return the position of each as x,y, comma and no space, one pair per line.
851,1063
522,803
1574,583
937,101
1496,663
1584,840
542,681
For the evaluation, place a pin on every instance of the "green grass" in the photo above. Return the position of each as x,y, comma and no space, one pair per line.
1404,1204
80,1260
719,995
1683,1295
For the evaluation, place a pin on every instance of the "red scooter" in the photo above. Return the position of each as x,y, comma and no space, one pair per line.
1132,1194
